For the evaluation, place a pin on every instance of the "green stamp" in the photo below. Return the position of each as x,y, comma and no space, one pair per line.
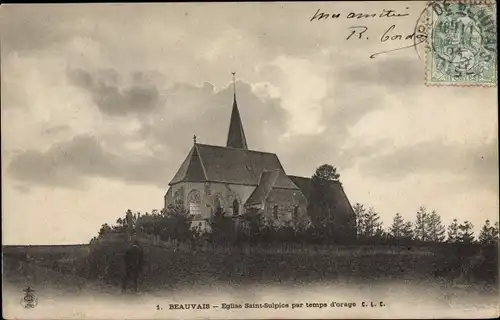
462,43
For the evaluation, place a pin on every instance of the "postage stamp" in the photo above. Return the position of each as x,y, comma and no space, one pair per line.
462,43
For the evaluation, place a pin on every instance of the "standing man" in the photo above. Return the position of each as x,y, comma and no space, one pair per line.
134,258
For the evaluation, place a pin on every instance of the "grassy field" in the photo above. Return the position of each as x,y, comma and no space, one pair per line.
168,268
76,283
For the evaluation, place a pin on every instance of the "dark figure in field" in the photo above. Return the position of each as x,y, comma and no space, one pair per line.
133,265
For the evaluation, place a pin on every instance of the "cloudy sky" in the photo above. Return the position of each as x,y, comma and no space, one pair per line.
100,104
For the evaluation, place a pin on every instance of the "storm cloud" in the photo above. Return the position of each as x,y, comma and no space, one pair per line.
106,98
111,99
164,134
69,163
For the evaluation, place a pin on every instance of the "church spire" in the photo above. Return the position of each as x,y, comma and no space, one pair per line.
236,135
234,86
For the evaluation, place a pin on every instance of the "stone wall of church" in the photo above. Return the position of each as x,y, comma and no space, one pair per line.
168,198
285,207
227,194
202,199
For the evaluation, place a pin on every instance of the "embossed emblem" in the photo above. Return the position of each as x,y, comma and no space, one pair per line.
29,300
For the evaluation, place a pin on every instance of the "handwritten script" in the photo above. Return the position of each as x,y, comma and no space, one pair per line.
361,32
385,13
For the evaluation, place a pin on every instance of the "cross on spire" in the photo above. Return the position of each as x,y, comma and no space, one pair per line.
236,135
234,83
194,139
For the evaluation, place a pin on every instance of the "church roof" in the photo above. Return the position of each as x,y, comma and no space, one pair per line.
336,189
286,196
191,169
266,183
268,189
230,165
236,136
303,183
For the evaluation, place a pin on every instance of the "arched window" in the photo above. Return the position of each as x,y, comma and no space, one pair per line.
179,197
275,211
219,204
236,207
295,213
194,200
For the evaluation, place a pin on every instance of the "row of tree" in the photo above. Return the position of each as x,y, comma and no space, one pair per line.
325,225
176,223
427,227
172,223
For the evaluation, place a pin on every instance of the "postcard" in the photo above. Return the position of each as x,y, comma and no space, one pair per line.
272,160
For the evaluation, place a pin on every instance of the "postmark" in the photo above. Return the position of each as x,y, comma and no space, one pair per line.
462,43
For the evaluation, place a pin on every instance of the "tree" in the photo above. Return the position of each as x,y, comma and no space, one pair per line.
496,231
326,172
465,233
453,232
488,234
421,224
322,204
396,229
372,223
380,233
105,228
301,222
221,226
171,223
285,233
180,222
151,223
254,223
359,212
436,229
123,224
407,231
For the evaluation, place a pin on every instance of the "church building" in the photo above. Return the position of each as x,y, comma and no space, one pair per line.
235,178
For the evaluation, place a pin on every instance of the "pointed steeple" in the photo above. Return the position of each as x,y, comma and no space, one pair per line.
236,135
